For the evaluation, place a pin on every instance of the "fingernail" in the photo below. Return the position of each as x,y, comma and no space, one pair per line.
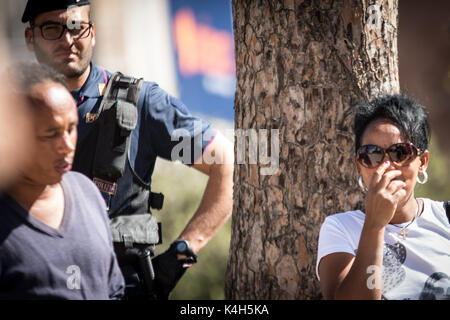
386,162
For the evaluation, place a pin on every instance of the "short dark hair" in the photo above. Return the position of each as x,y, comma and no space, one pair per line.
407,114
29,75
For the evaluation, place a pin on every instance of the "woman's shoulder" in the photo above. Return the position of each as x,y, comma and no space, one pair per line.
346,217
436,209
433,203
349,222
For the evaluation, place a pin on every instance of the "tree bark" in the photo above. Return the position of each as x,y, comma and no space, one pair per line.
301,65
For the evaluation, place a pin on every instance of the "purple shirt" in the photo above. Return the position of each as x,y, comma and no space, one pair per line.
76,261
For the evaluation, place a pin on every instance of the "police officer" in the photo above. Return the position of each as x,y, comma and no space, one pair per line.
62,35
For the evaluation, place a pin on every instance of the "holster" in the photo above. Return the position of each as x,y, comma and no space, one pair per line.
134,238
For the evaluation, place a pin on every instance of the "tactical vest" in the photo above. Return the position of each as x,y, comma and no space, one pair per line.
103,154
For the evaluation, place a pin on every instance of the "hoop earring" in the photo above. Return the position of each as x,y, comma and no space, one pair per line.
361,184
425,178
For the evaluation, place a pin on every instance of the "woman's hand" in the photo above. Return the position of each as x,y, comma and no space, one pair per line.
383,196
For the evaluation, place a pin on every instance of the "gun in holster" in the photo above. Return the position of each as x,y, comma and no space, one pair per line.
134,235
134,238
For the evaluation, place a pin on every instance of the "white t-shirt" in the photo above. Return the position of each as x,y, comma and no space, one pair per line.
417,267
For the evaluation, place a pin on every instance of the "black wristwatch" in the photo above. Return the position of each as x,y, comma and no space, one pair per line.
183,247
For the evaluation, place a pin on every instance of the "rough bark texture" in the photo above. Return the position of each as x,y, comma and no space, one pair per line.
300,67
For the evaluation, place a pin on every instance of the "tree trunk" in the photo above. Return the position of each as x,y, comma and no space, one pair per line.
300,67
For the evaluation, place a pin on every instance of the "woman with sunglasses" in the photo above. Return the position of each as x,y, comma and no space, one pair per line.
393,248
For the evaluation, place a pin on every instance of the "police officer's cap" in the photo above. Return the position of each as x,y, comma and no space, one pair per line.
36,7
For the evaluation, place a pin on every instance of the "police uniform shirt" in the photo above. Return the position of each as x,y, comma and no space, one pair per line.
161,118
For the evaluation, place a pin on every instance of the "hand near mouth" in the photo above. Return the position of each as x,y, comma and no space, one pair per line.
385,191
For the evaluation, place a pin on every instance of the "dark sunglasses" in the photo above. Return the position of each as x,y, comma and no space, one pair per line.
54,31
371,156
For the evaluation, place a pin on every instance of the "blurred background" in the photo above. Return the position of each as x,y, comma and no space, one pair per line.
187,48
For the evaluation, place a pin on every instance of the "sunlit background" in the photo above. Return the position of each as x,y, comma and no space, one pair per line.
187,48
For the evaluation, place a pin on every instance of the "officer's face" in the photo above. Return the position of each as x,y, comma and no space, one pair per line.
56,119
67,55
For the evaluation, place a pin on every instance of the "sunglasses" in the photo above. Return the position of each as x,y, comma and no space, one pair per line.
371,156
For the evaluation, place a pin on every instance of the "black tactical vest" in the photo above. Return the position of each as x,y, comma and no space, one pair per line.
103,152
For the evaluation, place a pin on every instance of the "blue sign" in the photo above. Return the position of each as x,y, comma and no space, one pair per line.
203,41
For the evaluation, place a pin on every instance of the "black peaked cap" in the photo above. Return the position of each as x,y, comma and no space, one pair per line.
36,7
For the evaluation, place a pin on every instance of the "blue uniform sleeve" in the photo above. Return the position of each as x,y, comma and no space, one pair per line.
173,132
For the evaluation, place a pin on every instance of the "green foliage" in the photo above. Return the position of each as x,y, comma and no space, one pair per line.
183,188
438,186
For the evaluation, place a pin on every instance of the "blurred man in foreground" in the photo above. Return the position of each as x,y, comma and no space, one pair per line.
14,125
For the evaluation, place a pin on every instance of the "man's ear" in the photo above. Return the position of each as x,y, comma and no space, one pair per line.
93,35
29,39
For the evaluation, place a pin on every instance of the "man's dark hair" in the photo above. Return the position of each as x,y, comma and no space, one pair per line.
29,75
408,115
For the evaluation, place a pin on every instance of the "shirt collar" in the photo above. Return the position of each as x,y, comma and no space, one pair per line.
90,89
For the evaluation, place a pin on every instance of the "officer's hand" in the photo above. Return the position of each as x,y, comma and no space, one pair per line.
168,270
